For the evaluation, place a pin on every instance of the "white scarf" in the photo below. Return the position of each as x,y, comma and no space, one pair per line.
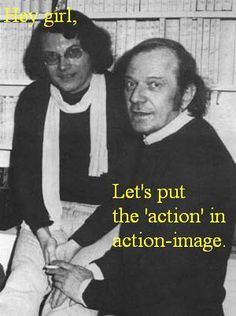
95,97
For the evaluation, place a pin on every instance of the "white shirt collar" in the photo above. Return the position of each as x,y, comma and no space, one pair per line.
176,124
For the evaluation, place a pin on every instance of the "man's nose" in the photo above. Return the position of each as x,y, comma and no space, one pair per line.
138,94
63,63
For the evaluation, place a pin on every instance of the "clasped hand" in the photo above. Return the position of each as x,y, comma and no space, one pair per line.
65,252
68,278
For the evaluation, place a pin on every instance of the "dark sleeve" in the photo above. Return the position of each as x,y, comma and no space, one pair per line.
26,158
96,226
149,284
183,274
110,299
101,221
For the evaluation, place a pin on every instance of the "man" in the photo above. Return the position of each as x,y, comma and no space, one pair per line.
166,100
69,126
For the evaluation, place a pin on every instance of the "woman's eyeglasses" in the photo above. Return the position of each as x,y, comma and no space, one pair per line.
53,58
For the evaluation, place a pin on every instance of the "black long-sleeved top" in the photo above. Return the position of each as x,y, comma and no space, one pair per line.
171,281
75,184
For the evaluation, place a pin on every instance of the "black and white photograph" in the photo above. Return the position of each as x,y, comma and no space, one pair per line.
117,157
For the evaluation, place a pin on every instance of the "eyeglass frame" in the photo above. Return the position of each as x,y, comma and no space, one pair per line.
59,56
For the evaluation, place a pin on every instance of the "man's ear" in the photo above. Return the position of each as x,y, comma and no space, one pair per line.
188,96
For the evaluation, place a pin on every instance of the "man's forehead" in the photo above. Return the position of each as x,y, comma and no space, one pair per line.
153,62
57,41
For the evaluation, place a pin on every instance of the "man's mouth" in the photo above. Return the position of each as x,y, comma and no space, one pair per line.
140,113
66,77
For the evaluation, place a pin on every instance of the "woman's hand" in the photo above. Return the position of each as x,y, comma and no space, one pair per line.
48,244
67,250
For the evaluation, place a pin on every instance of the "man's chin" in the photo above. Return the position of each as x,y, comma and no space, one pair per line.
141,129
66,88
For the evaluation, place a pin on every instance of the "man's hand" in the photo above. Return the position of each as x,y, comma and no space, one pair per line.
65,252
68,278
57,298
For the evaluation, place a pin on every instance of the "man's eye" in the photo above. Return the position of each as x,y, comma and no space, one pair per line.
51,56
154,85
129,85
74,52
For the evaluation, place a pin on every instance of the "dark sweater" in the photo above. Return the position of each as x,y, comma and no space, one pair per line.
172,281
26,162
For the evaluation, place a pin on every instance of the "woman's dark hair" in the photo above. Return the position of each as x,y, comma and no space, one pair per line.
94,40
187,70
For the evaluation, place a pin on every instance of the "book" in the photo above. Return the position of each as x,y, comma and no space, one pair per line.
25,5
144,5
212,51
199,43
183,32
188,41
164,5
138,32
205,49
116,5
201,5
88,6
108,5
193,5
157,6
162,27
130,34
187,5
172,29
156,28
217,47
95,7
218,5
136,6
226,58
180,5
194,38
7,110
121,37
123,6
227,5
101,5
45,6
34,5
130,5
210,5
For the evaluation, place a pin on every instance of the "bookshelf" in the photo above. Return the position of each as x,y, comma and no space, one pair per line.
151,15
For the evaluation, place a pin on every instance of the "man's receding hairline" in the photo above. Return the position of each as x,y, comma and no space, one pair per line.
147,50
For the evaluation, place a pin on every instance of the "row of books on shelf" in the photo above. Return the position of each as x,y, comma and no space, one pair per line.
212,42
96,6
40,6
151,5
14,38
7,110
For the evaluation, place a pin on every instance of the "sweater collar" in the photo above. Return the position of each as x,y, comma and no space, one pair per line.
171,128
